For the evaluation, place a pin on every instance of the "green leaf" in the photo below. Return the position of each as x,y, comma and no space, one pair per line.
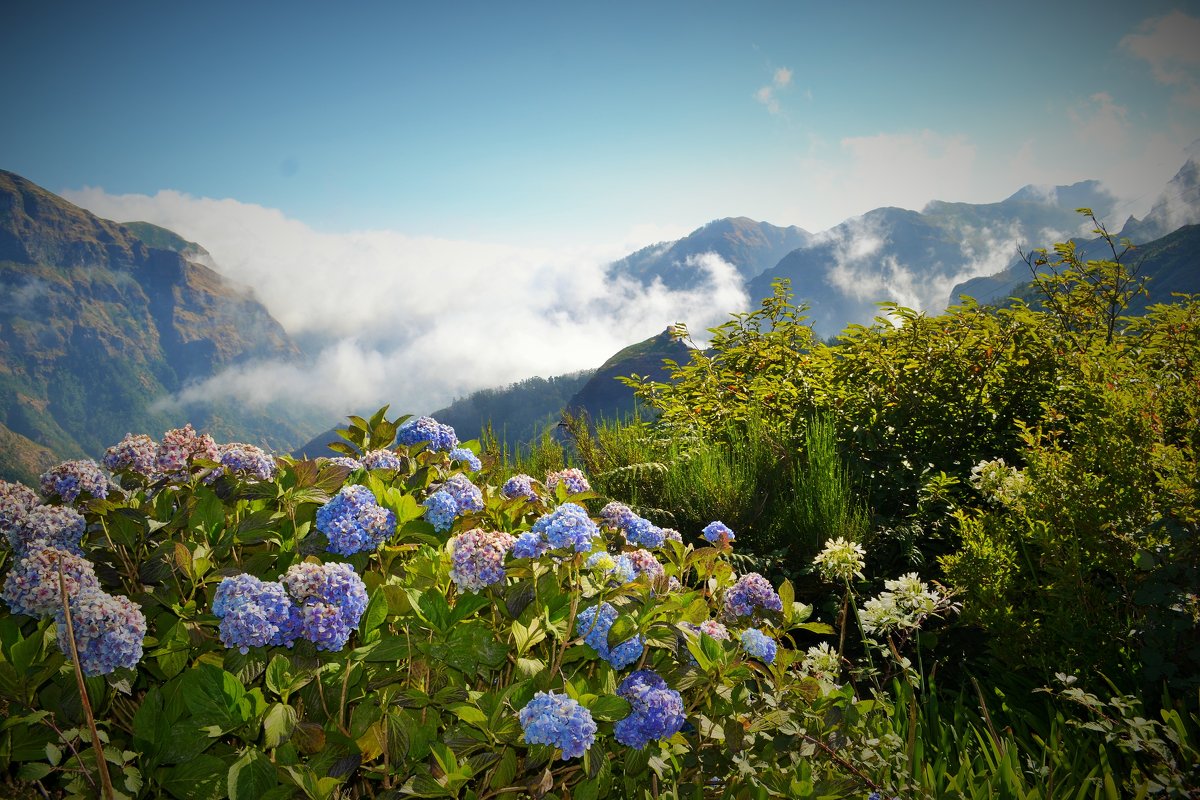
375,613
202,778
506,769
787,594
622,628
610,708
469,648
250,776
470,715
25,652
278,725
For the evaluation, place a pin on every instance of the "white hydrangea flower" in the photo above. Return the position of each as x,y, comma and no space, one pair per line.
904,602
822,662
999,483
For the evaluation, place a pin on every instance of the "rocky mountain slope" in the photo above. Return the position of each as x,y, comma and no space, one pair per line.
98,326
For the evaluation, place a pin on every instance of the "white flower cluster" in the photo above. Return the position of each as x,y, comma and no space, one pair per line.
904,602
822,662
841,560
999,483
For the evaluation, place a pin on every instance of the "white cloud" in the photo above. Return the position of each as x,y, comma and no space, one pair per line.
780,79
416,321
1171,46
1100,121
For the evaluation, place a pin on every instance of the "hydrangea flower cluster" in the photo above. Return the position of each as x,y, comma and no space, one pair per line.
530,545
16,500
568,526
354,521
71,478
559,721
467,457
109,630
427,429
519,486
466,494
332,599
718,533
822,662
135,453
617,516
180,447
245,460
750,592
999,483
656,710
477,558
345,461
672,535
47,526
904,602
759,645
571,477
255,613
440,510
32,588
381,459
841,560
638,563
644,533
711,628
593,624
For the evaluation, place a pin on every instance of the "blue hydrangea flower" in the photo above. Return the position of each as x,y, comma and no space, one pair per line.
16,500
244,461
467,457
354,522
530,545
617,516
750,592
135,453
477,558
32,584
47,526
108,631
572,477
601,560
759,645
381,459
519,486
643,533
466,494
656,710
255,613
427,429
440,510
345,461
568,526
718,533
71,478
593,624
557,720
332,600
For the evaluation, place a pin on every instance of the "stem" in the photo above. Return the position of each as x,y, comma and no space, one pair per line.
101,761
345,690
843,763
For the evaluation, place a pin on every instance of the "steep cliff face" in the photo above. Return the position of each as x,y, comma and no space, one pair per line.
96,326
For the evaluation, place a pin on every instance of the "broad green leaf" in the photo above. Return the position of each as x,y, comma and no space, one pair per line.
202,778
610,708
278,725
250,776
623,627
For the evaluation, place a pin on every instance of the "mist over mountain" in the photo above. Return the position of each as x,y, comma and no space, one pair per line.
1165,247
916,258
750,246
98,327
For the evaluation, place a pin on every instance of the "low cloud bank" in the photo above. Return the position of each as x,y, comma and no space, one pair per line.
416,321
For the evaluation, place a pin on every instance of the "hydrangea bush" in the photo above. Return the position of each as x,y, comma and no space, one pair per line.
388,620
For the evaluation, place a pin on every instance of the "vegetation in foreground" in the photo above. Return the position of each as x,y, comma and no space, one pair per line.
943,556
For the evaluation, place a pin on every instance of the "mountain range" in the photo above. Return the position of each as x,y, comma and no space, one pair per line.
101,322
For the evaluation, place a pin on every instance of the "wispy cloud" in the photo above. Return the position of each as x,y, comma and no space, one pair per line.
767,95
416,321
1171,46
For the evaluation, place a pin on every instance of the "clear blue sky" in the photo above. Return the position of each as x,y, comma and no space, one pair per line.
557,122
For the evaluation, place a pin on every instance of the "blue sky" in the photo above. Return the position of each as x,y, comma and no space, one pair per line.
533,123
428,194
